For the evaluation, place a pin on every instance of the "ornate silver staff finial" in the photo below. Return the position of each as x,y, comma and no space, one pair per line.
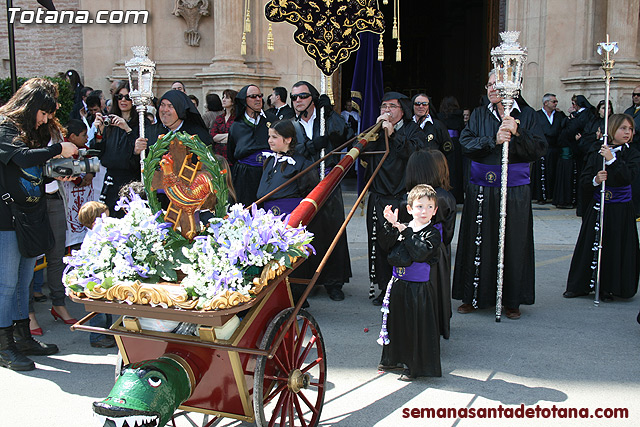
141,71
508,62
607,49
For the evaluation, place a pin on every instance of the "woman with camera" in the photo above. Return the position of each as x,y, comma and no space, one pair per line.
120,148
27,124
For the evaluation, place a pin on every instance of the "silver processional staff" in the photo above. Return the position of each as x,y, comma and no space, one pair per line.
508,62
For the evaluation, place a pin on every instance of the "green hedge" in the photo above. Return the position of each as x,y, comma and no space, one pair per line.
65,95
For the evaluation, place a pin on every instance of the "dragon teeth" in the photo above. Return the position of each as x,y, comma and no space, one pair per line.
132,421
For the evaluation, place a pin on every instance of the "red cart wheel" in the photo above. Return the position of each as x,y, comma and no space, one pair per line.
288,390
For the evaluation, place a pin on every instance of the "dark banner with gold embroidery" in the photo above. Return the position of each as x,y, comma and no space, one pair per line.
327,29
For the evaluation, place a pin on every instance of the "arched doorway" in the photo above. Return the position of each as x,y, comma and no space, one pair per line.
445,49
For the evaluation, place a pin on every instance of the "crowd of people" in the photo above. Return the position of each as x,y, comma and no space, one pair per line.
435,161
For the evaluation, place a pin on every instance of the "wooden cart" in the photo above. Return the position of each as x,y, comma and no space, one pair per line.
272,369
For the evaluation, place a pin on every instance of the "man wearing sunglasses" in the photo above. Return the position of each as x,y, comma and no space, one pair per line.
307,104
634,111
388,187
436,133
248,138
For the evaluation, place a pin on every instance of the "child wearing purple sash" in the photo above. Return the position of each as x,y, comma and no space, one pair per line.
410,333
620,260
281,164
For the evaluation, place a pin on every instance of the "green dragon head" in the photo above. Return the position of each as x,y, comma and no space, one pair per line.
146,394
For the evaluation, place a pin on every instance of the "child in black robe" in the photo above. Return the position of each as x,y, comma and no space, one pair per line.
410,332
282,164
620,257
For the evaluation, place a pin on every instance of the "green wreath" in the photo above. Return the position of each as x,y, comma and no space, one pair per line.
197,147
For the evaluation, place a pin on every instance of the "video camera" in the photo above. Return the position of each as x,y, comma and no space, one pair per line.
63,167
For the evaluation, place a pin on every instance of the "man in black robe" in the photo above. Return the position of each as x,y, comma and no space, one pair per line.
309,105
435,132
634,111
248,138
570,137
475,275
551,122
388,186
178,113
280,108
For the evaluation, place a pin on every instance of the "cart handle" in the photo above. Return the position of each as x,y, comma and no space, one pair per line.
362,143
80,325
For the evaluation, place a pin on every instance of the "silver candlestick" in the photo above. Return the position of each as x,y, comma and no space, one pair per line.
141,71
508,62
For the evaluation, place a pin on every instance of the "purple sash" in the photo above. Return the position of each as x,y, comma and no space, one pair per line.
489,175
416,272
255,159
614,194
454,133
438,227
282,206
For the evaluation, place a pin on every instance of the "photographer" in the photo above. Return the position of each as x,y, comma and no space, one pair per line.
119,146
27,124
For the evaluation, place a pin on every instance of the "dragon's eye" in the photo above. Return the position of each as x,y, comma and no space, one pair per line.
155,382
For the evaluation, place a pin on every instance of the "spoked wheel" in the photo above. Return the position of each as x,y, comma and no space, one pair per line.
288,390
191,419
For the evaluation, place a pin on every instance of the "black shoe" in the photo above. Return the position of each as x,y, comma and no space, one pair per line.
377,301
570,294
336,294
106,341
406,376
606,296
389,368
27,345
10,357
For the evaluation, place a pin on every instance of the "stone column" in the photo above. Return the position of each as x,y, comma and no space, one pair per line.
228,21
622,27
257,53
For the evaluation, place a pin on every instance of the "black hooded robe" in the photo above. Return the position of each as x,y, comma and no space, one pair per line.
388,187
245,145
479,228
620,260
327,222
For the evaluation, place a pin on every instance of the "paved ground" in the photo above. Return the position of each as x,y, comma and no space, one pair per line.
562,352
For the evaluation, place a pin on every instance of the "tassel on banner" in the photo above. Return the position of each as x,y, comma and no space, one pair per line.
243,45
398,52
394,31
385,2
329,89
381,49
247,19
270,41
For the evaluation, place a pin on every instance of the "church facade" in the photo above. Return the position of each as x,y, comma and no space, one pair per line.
199,42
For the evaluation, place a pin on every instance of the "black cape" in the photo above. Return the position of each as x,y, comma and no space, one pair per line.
245,138
482,203
329,219
543,170
620,261
388,188
414,334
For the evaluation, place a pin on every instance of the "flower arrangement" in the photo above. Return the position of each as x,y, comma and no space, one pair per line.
233,250
226,256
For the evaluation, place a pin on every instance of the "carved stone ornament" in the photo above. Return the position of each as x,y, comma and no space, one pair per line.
191,11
